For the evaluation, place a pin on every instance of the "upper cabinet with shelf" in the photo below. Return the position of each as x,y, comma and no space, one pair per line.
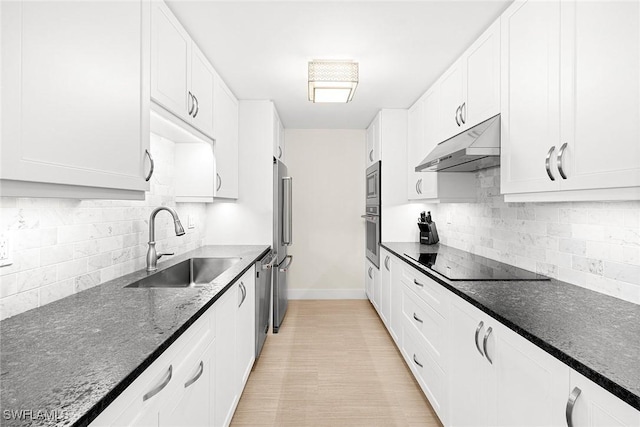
564,137
63,135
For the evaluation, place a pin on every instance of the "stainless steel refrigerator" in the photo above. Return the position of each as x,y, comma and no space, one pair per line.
282,237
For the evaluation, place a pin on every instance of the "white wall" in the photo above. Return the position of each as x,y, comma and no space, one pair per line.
327,167
249,219
595,245
63,246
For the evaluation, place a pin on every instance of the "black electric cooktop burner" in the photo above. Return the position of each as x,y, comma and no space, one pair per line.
455,264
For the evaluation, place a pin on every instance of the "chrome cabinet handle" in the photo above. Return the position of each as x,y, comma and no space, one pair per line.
279,152
570,404
159,388
560,155
386,263
151,163
198,375
457,113
547,163
463,113
370,271
192,103
195,113
480,326
219,179
484,344
417,318
244,294
420,185
415,360
418,283
371,155
417,191
286,263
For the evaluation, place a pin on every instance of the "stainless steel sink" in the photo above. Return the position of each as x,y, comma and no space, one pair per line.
188,273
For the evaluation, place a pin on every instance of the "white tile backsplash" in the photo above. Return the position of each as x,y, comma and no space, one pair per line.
595,245
63,246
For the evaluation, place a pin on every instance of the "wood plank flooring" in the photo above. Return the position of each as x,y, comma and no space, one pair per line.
332,364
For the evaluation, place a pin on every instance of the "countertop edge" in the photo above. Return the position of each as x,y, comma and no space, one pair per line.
609,385
115,392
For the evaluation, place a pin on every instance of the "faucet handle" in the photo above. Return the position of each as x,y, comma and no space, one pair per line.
167,254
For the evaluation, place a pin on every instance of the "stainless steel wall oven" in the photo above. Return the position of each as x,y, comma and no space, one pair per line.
373,214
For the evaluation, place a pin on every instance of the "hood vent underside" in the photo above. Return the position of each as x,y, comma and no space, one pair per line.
474,149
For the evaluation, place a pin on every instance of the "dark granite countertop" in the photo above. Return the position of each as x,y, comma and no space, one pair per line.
73,357
595,334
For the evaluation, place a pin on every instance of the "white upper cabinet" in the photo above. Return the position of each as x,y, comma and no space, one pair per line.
75,99
530,96
374,138
450,86
600,98
170,62
182,79
195,169
202,90
560,130
481,71
278,136
226,141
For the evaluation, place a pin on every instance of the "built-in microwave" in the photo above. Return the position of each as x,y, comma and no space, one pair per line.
373,185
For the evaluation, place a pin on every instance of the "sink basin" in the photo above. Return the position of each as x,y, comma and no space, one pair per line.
188,273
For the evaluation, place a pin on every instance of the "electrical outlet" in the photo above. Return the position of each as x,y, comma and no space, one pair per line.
5,250
191,222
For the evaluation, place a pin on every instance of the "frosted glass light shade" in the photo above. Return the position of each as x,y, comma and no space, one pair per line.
332,81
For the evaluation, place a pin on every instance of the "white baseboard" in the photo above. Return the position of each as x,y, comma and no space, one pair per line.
327,294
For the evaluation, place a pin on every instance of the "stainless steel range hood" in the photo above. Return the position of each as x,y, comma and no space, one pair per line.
474,149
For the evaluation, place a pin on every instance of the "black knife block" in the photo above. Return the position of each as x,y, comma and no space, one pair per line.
428,233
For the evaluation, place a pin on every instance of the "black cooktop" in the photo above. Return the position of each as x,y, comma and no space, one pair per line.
455,264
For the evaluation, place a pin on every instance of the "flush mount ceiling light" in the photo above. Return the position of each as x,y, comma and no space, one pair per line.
332,81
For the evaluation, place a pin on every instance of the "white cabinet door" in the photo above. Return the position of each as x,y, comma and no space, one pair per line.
373,141
530,383
170,62
368,280
75,100
416,148
195,169
482,77
600,94
225,371
202,87
226,141
385,287
450,86
595,407
428,184
246,326
377,288
469,401
395,322
530,95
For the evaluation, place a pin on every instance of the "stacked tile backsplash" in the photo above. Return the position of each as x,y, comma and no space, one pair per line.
595,245
63,246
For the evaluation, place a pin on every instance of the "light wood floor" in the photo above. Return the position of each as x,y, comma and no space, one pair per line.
332,364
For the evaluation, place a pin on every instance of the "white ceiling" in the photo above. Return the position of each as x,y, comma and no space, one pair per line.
261,49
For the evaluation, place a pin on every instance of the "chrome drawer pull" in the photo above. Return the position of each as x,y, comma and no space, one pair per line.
416,361
417,319
151,165
547,163
484,344
198,375
158,389
193,104
570,404
480,326
418,283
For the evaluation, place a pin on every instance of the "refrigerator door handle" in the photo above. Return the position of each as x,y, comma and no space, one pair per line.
287,226
284,265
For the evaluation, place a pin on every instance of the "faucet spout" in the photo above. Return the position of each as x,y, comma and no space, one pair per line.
152,255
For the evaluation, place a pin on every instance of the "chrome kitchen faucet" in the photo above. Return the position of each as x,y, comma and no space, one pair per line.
152,255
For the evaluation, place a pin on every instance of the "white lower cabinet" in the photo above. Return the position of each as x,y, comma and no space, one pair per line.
198,380
477,372
372,284
594,406
385,287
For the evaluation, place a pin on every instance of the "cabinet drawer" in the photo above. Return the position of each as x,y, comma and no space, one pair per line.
431,378
430,291
427,323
